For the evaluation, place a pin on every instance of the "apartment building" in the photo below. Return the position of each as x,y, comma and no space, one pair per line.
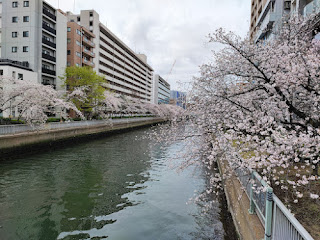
127,73
34,33
80,46
161,90
267,15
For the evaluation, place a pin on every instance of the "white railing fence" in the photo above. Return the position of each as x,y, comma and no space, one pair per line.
277,220
20,128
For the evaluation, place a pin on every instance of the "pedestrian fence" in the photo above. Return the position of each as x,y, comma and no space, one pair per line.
20,128
278,222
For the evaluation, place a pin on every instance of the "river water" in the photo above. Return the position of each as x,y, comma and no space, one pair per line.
119,187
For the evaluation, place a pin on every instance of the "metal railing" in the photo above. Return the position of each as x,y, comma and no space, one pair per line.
24,64
48,57
20,128
49,14
49,28
49,43
48,71
277,220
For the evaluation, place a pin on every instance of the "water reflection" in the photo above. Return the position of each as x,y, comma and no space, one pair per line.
117,187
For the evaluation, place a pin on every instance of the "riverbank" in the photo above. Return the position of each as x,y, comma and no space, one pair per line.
41,140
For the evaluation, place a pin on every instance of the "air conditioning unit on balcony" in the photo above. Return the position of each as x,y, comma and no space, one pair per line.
287,5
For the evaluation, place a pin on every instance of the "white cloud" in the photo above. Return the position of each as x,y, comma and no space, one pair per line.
168,30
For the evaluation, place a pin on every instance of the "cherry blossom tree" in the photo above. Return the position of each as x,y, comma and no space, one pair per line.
32,100
258,105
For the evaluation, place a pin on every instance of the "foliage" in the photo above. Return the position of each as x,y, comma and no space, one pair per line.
33,101
258,105
86,86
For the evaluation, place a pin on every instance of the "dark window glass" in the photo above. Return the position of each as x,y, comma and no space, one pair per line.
25,33
26,3
26,19
14,19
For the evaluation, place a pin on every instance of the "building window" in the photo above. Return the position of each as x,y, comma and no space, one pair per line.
20,76
68,40
14,4
25,33
91,23
78,32
91,14
14,34
26,3
14,74
1,72
14,19
14,49
78,54
78,43
26,19
68,64
68,52
78,19
25,49
69,29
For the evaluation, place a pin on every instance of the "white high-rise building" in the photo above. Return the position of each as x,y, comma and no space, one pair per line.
126,72
161,90
34,34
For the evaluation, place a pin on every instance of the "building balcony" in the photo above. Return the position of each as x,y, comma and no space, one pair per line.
88,52
49,43
48,57
88,63
49,29
49,71
312,7
49,14
88,42
49,83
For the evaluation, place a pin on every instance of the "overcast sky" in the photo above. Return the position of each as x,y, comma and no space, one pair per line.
168,30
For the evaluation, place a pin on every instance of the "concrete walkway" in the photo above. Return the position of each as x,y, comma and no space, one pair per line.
248,226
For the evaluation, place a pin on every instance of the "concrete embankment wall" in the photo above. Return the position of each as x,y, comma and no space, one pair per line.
248,226
25,142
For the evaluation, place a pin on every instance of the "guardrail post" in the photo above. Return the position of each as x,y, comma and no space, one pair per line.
252,208
268,219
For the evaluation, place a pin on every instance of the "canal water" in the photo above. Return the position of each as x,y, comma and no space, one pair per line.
120,187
